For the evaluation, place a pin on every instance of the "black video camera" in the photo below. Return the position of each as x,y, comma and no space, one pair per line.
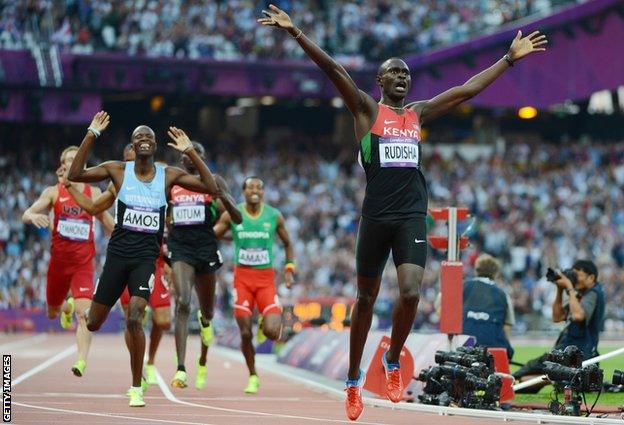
618,377
587,378
570,356
466,357
553,275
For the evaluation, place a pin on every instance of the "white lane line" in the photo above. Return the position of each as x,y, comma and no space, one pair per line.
108,415
167,392
4,348
58,357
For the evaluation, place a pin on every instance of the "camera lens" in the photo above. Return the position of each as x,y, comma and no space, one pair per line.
618,377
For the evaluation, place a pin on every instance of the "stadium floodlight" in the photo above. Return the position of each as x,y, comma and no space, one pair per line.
527,112
267,100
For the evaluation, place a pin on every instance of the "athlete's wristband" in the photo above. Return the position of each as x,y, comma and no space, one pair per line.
508,59
95,131
290,267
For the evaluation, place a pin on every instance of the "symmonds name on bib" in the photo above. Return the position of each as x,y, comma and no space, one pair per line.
253,257
398,152
75,230
139,219
187,215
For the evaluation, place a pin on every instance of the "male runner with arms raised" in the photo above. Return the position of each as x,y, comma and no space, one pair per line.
395,204
195,257
254,276
135,244
160,298
72,253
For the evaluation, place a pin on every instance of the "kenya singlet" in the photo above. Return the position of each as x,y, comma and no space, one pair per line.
193,215
390,156
139,216
72,234
253,238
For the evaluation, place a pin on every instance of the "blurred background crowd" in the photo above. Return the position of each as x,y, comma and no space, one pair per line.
534,205
227,30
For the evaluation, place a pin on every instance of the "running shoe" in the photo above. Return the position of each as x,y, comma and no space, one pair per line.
136,397
200,378
353,403
143,387
260,336
179,379
67,319
394,381
252,385
206,332
79,367
150,374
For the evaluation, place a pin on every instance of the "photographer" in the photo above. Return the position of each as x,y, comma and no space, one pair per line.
580,301
488,311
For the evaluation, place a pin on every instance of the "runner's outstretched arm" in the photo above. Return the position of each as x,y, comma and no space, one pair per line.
206,183
428,110
77,171
360,104
226,201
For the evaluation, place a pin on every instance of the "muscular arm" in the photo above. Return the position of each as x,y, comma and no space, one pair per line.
105,218
222,225
558,312
285,238
428,110
289,277
360,104
226,201
36,214
182,178
97,204
441,104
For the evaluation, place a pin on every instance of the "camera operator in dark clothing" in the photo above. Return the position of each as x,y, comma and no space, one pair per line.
488,312
580,301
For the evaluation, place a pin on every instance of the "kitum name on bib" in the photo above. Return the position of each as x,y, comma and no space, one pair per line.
186,215
398,152
141,219
253,257
75,230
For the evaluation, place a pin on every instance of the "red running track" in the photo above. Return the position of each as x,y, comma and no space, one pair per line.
50,394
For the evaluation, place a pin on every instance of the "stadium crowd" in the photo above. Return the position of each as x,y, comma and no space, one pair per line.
227,30
536,205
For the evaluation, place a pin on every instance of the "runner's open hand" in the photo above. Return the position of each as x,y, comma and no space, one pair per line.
276,18
522,46
40,221
181,141
100,121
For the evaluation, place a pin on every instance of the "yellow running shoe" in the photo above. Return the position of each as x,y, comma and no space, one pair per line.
67,319
136,397
79,367
179,379
206,332
200,378
150,373
143,387
260,336
252,385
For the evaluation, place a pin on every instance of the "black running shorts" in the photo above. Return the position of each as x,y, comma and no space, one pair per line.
118,272
204,260
407,238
